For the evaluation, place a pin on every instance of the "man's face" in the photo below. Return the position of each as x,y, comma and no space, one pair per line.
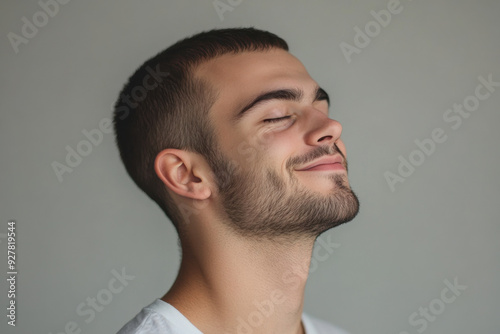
280,164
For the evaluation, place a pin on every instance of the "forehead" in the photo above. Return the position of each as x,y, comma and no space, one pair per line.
236,78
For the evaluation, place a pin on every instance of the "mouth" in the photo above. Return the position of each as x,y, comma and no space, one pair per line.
327,167
328,163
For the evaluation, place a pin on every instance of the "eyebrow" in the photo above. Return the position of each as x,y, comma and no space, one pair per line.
281,94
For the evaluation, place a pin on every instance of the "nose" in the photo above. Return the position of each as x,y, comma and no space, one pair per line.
321,130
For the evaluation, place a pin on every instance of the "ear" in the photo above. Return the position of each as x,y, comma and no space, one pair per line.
185,173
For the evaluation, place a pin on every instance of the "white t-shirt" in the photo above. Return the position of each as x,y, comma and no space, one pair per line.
162,318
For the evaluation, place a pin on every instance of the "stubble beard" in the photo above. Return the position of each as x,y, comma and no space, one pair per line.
260,205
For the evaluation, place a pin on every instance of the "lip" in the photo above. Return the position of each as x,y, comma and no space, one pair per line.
334,162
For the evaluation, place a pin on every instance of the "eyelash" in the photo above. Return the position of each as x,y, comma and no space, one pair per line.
279,119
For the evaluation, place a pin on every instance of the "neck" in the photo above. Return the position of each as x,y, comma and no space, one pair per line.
230,284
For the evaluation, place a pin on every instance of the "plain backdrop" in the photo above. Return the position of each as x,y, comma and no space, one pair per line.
441,224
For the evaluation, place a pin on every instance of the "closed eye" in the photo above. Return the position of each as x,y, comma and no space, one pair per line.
272,120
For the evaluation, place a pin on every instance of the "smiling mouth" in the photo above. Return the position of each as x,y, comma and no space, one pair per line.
326,163
324,167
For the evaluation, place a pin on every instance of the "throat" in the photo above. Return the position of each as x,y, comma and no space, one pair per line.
219,290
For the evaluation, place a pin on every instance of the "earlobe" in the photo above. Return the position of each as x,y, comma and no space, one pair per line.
182,173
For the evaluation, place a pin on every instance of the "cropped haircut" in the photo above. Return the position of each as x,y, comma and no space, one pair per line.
164,106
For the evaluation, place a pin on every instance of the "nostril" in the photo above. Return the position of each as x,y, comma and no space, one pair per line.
325,138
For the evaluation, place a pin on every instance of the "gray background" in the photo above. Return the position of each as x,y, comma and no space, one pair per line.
440,224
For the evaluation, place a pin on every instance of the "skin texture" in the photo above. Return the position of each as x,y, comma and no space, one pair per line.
253,213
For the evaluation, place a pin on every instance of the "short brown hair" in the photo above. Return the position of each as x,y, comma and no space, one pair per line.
173,112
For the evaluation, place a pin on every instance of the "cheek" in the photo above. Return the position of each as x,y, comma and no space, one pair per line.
253,151
281,149
267,142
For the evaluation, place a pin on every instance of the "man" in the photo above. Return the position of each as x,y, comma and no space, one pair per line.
229,134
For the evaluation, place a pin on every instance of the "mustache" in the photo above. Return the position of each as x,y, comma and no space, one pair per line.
318,152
